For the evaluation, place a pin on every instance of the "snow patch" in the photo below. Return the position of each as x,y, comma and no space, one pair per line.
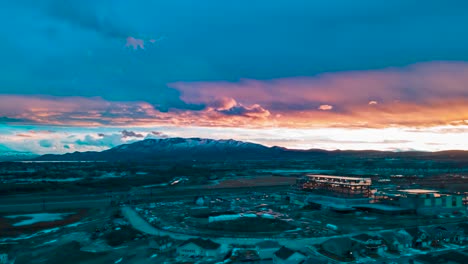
38,218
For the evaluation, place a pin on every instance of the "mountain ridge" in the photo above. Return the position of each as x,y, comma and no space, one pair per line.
211,149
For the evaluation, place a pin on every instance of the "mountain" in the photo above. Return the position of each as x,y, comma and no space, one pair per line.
11,155
210,149
174,148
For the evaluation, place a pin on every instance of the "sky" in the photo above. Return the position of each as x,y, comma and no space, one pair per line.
79,75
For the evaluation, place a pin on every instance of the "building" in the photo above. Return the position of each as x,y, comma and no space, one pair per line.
285,255
371,245
4,258
338,186
420,238
198,247
444,234
421,201
160,243
452,257
341,249
242,255
463,227
397,241
266,249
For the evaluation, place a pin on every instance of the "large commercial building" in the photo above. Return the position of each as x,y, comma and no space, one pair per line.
336,186
338,193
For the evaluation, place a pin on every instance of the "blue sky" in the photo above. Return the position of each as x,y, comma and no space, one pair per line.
57,50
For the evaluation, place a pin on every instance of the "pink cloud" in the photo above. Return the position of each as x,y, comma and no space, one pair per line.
325,107
421,95
135,43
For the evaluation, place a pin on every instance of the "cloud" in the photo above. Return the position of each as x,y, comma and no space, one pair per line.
157,134
89,15
106,141
46,143
373,102
325,107
127,134
135,43
422,91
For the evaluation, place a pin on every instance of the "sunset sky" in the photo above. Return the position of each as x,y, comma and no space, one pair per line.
78,75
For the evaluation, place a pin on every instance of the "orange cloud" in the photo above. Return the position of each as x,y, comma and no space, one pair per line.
421,95
325,107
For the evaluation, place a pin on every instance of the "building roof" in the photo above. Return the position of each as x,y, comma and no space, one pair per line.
245,255
315,260
268,244
341,242
400,236
418,191
338,177
284,253
203,243
160,240
464,227
453,257
413,231
365,237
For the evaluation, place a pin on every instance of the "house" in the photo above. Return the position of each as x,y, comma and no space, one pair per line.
452,257
4,258
315,260
420,237
441,234
198,247
242,255
266,249
397,241
463,229
160,243
370,244
285,255
340,248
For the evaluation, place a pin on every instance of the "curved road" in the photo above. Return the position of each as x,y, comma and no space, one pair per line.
140,224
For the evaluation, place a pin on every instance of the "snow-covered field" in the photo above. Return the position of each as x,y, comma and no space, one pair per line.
37,218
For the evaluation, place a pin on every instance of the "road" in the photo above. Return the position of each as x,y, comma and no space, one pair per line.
40,201
142,225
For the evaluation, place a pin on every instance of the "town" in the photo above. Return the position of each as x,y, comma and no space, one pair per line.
299,218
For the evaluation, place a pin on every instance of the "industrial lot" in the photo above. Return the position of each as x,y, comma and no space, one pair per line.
284,217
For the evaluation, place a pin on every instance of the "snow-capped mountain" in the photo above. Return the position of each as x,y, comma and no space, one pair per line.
175,148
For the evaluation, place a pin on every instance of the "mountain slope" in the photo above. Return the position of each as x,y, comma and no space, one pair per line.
174,148
10,155
210,149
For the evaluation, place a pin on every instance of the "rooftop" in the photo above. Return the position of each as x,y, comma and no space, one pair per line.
284,253
449,257
338,177
203,243
365,237
418,191
268,244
